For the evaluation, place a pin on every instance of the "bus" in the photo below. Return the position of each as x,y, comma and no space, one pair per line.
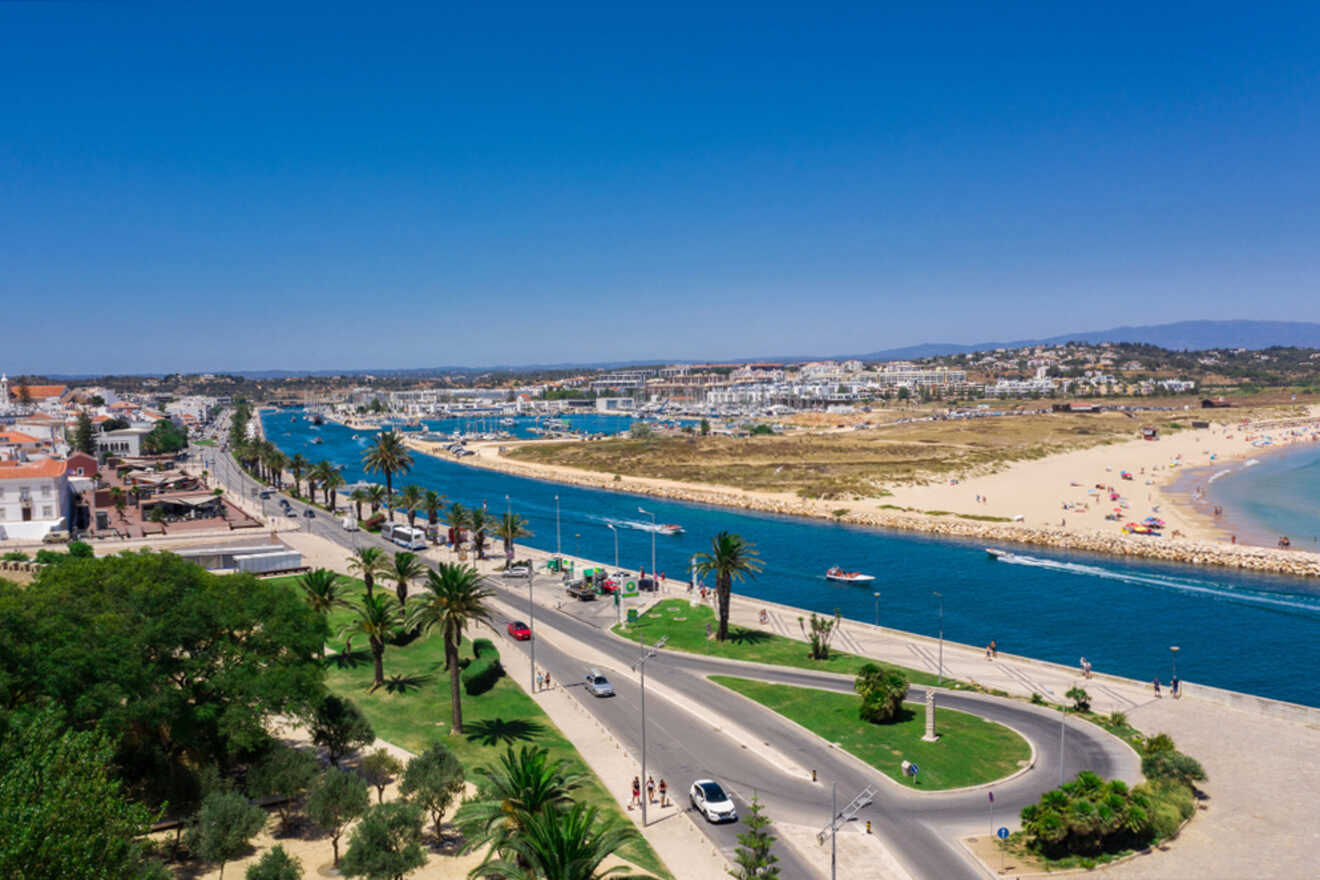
407,537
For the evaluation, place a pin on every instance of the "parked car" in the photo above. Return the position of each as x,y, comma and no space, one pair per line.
290,513
518,571
598,685
519,630
647,584
309,513
710,799
350,524
265,493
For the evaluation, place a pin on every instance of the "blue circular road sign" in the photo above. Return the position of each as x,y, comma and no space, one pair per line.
1002,833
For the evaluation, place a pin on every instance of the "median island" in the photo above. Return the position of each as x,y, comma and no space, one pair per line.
970,751
685,625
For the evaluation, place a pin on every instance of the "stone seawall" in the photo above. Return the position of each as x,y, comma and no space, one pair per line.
1291,563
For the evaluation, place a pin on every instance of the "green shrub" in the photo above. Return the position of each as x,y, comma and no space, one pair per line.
1172,765
882,691
15,556
484,670
1037,699
1088,817
51,557
1164,820
81,550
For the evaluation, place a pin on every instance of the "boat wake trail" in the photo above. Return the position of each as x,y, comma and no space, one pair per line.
622,523
1259,598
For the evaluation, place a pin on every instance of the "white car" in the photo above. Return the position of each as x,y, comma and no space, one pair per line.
350,524
709,799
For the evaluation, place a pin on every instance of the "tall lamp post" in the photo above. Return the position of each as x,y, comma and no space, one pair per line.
647,654
877,607
615,530
531,625
940,596
1173,651
655,579
558,548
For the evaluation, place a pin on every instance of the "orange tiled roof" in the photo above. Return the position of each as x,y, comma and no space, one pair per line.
27,470
17,437
39,392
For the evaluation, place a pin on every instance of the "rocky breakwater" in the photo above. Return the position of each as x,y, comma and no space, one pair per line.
1291,563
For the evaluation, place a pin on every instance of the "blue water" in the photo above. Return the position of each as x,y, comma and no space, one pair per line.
1278,495
1254,633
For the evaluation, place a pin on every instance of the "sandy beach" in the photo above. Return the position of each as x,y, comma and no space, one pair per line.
1080,499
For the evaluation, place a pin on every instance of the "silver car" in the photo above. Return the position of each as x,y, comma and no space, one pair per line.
598,685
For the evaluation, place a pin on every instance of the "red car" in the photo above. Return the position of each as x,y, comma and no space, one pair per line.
519,630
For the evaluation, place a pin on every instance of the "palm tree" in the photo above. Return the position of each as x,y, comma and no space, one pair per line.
407,568
323,590
376,494
322,472
558,844
433,502
377,616
410,499
275,464
388,456
298,463
730,559
368,563
522,784
455,597
510,528
457,522
332,481
359,497
478,521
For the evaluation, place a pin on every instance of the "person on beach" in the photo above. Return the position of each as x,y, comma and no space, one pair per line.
636,792
1086,667
547,680
994,650
987,652
539,680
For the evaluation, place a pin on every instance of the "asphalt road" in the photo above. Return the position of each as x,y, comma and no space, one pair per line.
919,828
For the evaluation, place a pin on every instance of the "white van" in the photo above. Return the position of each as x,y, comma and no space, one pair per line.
350,524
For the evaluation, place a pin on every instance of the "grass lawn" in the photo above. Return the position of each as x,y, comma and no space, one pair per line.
413,710
971,751
686,627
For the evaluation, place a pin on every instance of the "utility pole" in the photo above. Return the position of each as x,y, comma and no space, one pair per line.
615,530
655,578
646,654
558,546
531,624
940,596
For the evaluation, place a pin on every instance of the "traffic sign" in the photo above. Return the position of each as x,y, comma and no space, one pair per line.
1002,833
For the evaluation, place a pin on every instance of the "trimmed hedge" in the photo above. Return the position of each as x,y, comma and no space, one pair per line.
484,670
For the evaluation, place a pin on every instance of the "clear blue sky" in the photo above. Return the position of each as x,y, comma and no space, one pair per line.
343,188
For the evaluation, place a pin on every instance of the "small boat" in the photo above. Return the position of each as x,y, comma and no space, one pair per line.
848,577
317,441
669,529
998,554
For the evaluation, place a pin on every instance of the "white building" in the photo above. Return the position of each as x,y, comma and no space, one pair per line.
34,498
125,441
615,404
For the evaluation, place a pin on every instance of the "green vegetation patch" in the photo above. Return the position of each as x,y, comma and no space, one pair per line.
412,710
686,627
970,751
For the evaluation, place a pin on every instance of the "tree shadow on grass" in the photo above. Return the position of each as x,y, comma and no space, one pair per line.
503,730
349,660
742,636
402,684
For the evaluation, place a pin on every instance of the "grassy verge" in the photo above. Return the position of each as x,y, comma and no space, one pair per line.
413,710
971,751
686,627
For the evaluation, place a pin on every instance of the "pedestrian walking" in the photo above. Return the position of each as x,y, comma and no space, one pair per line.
650,789
1086,667
1173,687
987,652
539,679
994,650
1156,684
636,792
547,681
664,792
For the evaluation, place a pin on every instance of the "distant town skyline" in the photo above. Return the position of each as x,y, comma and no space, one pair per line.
231,191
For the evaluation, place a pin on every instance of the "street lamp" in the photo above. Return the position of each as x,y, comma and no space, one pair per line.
647,654
654,579
558,549
877,607
1063,725
940,596
531,625
1173,651
615,530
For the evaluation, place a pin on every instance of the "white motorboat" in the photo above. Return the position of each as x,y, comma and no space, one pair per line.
998,554
848,577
